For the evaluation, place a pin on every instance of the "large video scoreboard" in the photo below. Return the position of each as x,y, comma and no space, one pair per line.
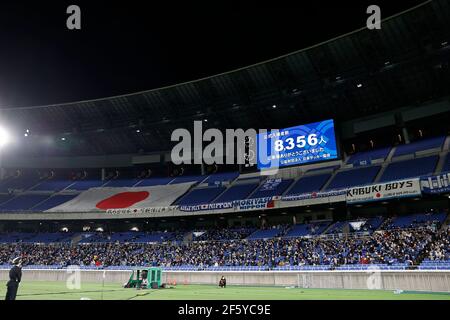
302,144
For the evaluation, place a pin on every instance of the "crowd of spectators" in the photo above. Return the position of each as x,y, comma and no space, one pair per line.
440,247
380,247
225,234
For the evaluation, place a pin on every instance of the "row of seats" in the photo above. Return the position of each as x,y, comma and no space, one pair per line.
411,221
369,226
33,202
294,231
303,230
314,183
429,144
43,237
245,268
55,185
434,265
211,189
131,237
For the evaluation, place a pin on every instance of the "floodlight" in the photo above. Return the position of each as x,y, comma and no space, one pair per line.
4,137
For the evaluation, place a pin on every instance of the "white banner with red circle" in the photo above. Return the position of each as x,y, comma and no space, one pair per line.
103,199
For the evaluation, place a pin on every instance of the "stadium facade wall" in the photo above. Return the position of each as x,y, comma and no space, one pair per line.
414,280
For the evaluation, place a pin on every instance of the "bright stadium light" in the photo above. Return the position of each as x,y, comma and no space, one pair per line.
4,137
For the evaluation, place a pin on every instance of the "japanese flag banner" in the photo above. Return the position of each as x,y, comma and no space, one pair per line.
102,199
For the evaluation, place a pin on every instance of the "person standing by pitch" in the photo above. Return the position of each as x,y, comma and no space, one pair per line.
15,275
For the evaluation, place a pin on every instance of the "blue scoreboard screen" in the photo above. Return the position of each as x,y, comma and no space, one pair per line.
303,144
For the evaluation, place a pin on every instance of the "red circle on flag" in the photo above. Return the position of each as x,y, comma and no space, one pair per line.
122,200
378,195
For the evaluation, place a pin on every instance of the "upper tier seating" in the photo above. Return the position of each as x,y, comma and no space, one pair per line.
307,229
153,182
200,196
271,188
421,145
52,185
221,177
354,177
330,168
184,179
237,192
20,183
368,156
309,184
121,183
82,185
410,168
23,202
53,201
5,197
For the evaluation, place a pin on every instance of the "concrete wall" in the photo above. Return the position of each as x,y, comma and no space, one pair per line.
386,280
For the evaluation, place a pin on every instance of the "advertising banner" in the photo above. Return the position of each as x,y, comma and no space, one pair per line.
383,191
139,211
436,184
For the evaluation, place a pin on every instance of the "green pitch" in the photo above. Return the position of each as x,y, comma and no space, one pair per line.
38,290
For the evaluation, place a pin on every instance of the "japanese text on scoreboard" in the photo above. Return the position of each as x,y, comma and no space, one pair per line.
303,144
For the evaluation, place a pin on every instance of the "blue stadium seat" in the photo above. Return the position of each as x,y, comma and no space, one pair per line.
23,202
446,167
53,201
369,156
153,182
264,234
184,179
200,196
86,184
47,237
307,184
354,177
5,197
410,168
270,190
302,230
421,145
121,183
24,182
416,219
52,185
237,192
330,168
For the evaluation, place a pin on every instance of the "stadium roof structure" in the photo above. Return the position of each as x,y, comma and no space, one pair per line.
360,73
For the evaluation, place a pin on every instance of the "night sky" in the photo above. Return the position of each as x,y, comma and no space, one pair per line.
128,46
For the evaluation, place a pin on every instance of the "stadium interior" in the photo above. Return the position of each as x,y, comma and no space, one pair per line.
388,95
